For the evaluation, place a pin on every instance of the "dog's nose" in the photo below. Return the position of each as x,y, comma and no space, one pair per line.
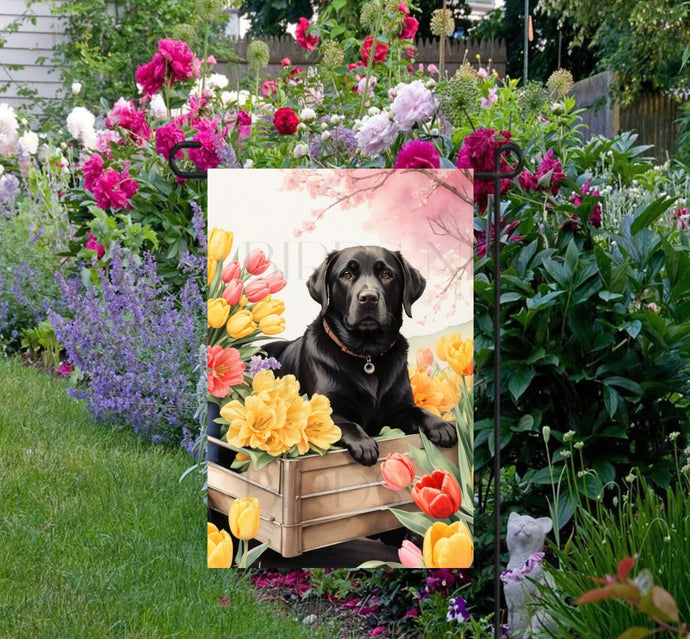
368,298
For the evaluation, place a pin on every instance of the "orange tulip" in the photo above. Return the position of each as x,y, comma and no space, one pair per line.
448,546
397,471
438,494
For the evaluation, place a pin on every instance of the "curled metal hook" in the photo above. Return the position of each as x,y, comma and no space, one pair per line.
500,151
190,175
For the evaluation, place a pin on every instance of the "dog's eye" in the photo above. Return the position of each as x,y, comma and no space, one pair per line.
385,275
347,275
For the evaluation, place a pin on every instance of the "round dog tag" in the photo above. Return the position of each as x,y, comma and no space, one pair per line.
369,367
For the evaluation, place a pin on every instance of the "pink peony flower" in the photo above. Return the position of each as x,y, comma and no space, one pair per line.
207,157
151,76
478,153
547,178
432,68
244,125
113,189
168,136
376,134
414,104
402,7
380,51
92,170
173,62
308,42
418,154
269,87
409,28
125,115
256,262
92,244
576,199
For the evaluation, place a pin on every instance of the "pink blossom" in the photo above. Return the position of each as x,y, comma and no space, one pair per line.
491,99
595,215
409,28
482,73
432,68
125,115
244,125
370,86
308,42
376,134
168,136
377,632
683,217
113,189
414,104
285,62
92,170
173,62
275,281
410,555
93,244
418,154
256,262
547,177
402,7
104,138
207,156
269,87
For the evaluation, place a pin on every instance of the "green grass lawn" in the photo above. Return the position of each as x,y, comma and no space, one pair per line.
97,536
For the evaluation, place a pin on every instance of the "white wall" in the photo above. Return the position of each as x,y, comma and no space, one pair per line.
26,47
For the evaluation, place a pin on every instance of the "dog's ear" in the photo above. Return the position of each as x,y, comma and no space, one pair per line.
317,284
413,283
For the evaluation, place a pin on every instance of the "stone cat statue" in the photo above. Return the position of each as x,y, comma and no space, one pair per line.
525,541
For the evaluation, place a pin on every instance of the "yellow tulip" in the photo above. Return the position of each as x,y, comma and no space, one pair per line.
219,547
272,325
219,244
458,352
218,311
448,546
244,517
268,306
211,266
240,324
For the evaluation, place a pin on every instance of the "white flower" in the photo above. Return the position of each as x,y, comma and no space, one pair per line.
579,445
234,97
569,435
157,107
376,134
76,88
80,124
336,120
8,130
374,110
430,83
218,81
307,114
248,164
29,142
413,104
326,135
300,151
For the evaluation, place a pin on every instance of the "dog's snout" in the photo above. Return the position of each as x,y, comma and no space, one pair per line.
368,298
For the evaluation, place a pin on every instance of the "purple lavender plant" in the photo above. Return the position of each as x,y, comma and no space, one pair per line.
136,344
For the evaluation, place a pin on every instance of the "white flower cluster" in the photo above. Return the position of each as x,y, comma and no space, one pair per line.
413,105
80,124
8,130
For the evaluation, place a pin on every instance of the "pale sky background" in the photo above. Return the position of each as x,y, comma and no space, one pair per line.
248,202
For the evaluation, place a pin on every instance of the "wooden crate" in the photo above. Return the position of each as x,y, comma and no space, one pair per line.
315,501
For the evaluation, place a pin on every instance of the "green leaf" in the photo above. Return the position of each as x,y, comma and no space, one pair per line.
627,384
610,400
375,563
255,553
636,632
438,460
519,381
650,213
389,433
525,424
416,522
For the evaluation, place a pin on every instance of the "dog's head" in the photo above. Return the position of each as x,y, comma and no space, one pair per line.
365,288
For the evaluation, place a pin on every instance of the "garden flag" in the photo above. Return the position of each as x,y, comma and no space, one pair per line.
340,367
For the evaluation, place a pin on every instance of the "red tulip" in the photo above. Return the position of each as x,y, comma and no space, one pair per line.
438,494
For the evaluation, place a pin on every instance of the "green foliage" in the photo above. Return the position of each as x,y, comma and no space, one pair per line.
272,18
41,341
655,527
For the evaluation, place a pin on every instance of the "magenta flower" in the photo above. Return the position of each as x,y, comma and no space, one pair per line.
173,62
207,157
93,245
308,42
125,115
64,369
113,189
547,178
418,154
576,199
409,28
477,153
167,136
92,170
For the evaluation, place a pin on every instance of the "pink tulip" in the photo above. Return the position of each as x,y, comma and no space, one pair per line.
276,281
257,289
397,471
233,292
424,358
256,262
232,271
410,556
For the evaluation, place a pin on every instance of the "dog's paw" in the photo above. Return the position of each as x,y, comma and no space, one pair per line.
440,432
365,451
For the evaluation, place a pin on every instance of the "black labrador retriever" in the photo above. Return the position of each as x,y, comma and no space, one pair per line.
354,353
